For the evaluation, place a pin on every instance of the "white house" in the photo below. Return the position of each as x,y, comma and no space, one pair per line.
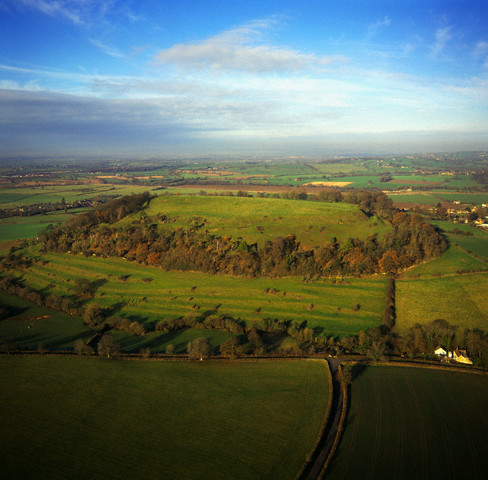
440,352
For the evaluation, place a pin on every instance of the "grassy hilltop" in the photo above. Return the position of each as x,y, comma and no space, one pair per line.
259,219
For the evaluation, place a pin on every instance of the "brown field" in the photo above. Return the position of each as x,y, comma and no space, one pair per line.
222,173
126,175
249,188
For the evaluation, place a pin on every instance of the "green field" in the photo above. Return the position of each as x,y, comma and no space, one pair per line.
97,419
406,423
16,197
476,243
171,294
439,289
313,222
470,198
459,299
26,329
14,228
414,198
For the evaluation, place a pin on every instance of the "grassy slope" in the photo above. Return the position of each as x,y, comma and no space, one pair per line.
440,292
57,331
459,299
170,294
240,217
26,328
157,420
411,423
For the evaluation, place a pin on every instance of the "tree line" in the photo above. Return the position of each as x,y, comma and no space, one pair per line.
264,336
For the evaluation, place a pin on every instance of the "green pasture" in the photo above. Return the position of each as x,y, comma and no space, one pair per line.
23,326
171,294
96,419
313,223
408,423
16,197
157,342
476,243
414,198
459,299
346,168
280,169
14,231
13,228
470,198
408,179
26,328
454,259
362,181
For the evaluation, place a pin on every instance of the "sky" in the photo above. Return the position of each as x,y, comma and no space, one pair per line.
310,77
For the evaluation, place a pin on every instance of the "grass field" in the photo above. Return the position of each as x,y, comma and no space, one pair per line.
476,243
414,198
96,419
313,222
471,198
27,328
459,299
15,197
13,228
406,423
171,294
454,259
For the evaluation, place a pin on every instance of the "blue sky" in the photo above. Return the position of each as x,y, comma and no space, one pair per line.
255,77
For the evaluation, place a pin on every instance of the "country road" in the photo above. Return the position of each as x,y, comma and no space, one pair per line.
320,457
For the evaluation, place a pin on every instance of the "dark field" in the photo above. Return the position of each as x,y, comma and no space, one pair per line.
97,419
409,423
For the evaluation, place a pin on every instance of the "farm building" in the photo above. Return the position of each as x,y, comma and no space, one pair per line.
457,355
460,356
440,352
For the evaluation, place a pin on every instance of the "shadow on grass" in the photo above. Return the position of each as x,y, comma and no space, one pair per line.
62,342
9,311
113,309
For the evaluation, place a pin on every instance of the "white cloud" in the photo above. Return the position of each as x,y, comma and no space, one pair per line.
481,52
481,49
373,28
112,51
442,36
79,12
238,49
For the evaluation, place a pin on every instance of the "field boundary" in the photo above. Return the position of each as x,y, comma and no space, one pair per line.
325,422
444,368
340,427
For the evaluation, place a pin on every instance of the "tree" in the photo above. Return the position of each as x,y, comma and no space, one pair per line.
93,316
231,348
145,353
81,348
199,348
108,347
84,288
